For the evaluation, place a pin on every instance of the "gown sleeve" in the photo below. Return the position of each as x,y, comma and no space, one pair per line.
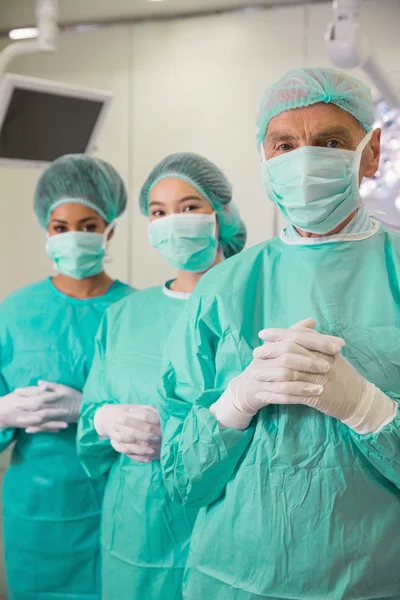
198,456
96,454
382,449
6,435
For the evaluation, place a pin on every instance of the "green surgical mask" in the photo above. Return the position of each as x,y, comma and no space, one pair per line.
187,241
78,254
315,188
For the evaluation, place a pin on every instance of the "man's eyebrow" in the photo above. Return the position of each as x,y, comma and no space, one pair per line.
331,131
278,136
337,130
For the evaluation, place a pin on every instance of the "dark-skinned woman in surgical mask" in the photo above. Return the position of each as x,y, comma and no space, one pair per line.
51,509
145,536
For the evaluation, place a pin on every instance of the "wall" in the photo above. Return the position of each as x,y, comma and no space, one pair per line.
184,85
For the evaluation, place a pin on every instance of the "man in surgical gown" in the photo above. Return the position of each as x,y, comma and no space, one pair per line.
296,473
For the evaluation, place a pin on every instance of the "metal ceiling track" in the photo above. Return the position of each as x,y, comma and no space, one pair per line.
86,26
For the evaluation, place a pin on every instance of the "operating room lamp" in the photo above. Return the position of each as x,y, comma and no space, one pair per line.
348,47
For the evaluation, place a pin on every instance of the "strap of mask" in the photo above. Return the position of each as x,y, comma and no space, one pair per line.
359,150
110,227
364,142
262,152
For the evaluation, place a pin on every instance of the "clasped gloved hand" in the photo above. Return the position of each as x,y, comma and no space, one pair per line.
344,393
133,429
66,398
32,408
292,364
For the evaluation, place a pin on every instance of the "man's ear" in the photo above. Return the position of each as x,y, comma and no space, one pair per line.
373,154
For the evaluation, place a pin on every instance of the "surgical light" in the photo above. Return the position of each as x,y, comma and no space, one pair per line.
382,191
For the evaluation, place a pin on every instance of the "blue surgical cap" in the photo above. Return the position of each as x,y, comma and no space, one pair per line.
304,87
211,183
82,179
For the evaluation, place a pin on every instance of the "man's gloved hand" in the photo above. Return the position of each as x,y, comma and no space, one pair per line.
345,394
133,430
282,364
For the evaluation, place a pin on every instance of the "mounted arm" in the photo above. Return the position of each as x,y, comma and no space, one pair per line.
46,18
348,47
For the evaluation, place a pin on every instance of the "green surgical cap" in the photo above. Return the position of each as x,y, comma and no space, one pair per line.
211,183
304,87
82,179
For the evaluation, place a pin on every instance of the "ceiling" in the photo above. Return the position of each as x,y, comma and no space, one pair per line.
17,13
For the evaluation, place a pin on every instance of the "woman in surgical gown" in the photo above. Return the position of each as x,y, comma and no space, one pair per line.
145,536
51,509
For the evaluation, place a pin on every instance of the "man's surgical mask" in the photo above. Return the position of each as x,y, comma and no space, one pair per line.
315,189
78,254
187,241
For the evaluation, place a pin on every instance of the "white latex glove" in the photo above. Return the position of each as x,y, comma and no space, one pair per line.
66,398
302,351
133,430
138,451
47,427
345,394
31,406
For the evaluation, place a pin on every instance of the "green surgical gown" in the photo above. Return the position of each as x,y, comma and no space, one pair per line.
145,536
298,506
51,509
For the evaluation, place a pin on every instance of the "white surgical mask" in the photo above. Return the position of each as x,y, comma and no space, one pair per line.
78,254
187,241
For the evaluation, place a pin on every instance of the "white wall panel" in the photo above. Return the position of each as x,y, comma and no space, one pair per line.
196,87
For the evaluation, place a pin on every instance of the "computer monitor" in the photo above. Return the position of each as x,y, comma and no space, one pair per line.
41,120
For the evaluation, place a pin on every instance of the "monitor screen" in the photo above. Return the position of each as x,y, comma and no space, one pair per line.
40,126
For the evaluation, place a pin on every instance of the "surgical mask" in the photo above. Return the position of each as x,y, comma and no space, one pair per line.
315,189
187,241
78,254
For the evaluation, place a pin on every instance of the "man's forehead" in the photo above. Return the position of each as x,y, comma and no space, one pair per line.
316,119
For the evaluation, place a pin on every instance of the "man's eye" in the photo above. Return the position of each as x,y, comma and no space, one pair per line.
285,148
333,144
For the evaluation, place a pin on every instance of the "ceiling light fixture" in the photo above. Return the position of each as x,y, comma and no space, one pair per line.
24,33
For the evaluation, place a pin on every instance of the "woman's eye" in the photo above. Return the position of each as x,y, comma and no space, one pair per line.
90,228
333,144
190,207
157,213
60,229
